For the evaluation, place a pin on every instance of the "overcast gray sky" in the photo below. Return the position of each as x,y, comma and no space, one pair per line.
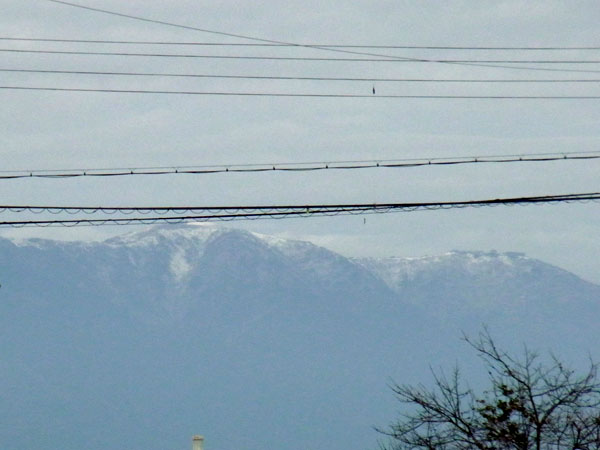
62,130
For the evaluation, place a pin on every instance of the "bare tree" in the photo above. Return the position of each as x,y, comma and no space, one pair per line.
529,405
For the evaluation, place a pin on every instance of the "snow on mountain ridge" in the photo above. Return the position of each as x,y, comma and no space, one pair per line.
200,231
199,234
395,271
184,245
288,247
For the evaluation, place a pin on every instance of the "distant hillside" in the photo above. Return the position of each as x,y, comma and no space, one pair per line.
507,290
257,342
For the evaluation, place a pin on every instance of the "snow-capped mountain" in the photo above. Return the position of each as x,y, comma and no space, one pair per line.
484,280
253,340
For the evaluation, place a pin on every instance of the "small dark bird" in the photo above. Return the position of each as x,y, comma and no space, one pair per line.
373,89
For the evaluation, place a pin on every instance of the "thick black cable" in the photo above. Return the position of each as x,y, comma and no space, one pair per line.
299,78
309,208
254,44
256,212
295,167
275,94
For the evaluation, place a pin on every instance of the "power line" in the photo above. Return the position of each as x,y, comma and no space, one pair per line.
269,208
219,33
295,167
275,94
186,27
384,59
254,44
225,213
305,58
300,78
272,41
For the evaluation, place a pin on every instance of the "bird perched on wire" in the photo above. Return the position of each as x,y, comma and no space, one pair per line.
373,89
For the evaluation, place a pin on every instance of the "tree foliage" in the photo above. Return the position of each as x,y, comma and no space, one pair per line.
530,404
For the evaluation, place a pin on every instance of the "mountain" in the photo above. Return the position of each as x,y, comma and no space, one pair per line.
546,304
147,338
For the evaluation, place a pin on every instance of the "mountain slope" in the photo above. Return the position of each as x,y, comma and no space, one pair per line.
252,340
505,290
158,335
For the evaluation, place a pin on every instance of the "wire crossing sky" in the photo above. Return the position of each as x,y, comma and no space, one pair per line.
228,213
293,44
254,44
306,78
294,167
301,94
85,122
306,58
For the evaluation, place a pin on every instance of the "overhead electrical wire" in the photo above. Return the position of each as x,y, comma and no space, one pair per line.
226,213
296,167
388,59
300,78
53,209
255,44
310,95
203,30
291,44
270,211
283,211
385,59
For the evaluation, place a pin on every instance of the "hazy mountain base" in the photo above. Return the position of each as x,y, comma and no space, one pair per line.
143,340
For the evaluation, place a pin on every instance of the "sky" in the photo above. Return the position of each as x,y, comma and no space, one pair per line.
53,130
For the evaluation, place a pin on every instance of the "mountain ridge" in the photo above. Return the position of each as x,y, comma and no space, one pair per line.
254,340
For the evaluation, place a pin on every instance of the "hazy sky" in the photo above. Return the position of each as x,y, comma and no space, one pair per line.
60,130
